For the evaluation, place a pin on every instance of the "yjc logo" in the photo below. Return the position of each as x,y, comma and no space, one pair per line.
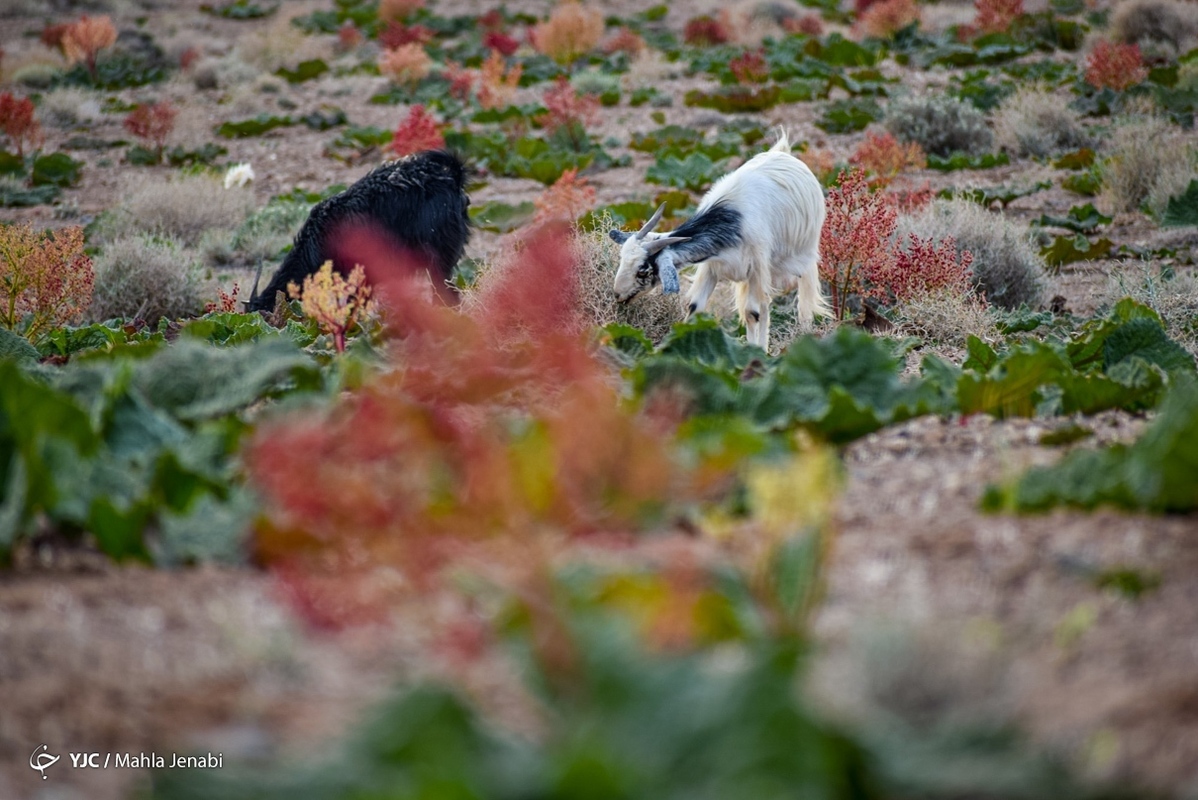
42,761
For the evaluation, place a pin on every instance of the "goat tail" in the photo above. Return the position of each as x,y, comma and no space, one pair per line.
811,300
783,143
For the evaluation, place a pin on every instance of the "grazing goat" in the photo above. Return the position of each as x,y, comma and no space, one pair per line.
758,226
416,206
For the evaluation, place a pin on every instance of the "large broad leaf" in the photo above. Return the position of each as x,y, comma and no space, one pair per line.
1183,209
253,127
16,348
1155,474
1068,249
703,340
1145,338
695,172
1082,219
56,169
1012,387
304,71
194,381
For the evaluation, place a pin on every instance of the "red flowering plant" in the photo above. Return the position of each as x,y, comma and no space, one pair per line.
705,31
18,123
501,42
226,302
461,80
920,269
1112,65
855,242
83,40
568,112
470,455
885,18
750,67
997,16
396,34
883,156
153,123
418,131
566,200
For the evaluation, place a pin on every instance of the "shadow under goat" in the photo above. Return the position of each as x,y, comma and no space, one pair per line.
416,206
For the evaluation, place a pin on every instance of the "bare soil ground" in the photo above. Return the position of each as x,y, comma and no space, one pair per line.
98,657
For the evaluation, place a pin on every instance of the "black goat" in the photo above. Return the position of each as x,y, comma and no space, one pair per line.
416,206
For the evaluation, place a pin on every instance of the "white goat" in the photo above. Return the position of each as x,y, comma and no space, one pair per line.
758,226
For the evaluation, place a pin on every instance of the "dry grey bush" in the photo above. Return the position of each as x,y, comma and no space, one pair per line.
1036,122
1152,22
1148,160
597,258
940,123
69,106
185,208
1007,267
946,318
282,44
156,271
1175,299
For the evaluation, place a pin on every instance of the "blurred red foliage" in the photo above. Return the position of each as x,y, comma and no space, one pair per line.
499,41
1112,65
396,34
153,122
226,303
885,18
499,438
418,131
566,200
18,123
808,24
750,67
705,31
884,156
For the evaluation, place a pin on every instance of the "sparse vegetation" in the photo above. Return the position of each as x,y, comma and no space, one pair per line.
153,275
1007,268
184,208
939,123
1036,122
1148,160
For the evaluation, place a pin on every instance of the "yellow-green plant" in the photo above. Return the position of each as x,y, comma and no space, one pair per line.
45,278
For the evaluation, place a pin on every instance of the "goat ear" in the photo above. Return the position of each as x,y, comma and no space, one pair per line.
619,237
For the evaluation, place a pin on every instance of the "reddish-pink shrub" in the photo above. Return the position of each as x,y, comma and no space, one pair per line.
855,242
750,67
349,37
571,31
51,35
17,122
497,82
84,39
501,42
152,122
885,157
807,24
461,80
885,18
396,34
1112,65
921,268
996,16
419,131
705,31
625,40
407,64
568,111
566,200
225,303
397,10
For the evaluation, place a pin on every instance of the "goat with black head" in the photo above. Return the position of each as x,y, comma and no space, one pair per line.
414,208
758,227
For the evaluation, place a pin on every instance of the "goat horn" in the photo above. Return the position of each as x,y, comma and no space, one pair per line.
254,294
656,245
652,223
